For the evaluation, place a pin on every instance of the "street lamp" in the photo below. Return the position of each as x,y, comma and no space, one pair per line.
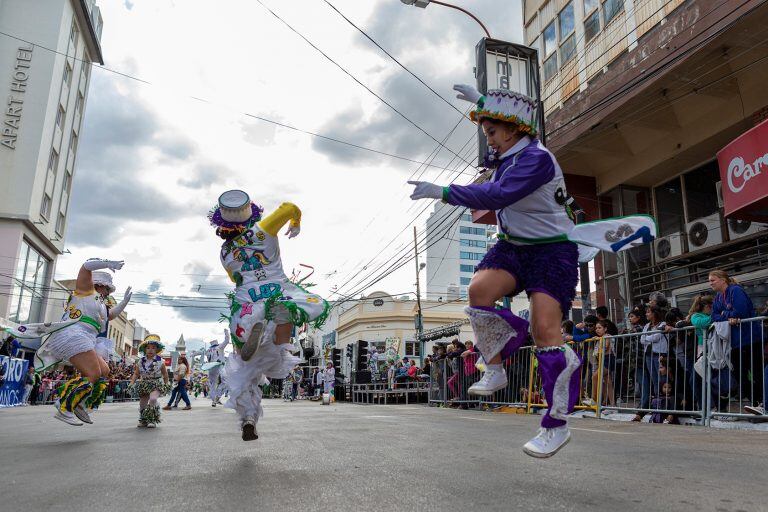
424,3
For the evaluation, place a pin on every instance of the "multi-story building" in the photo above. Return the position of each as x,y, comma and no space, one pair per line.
46,52
639,96
454,247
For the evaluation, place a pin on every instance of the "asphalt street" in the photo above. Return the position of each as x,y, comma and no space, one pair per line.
357,457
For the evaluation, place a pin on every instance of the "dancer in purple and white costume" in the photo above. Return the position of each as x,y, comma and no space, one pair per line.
536,253
215,357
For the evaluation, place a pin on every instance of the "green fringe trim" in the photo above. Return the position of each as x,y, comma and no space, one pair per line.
150,414
297,315
146,386
97,396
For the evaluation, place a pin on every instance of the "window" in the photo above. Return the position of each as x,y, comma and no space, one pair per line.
550,67
474,256
53,161
79,104
566,22
73,143
611,9
465,280
589,5
60,224
465,230
28,285
466,217
73,33
67,74
701,191
60,117
669,207
67,182
550,39
45,207
472,243
567,50
412,349
591,26
466,268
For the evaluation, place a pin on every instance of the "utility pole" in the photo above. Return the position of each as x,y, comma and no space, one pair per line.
419,319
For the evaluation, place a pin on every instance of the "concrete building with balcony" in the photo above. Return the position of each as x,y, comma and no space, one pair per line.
639,96
46,52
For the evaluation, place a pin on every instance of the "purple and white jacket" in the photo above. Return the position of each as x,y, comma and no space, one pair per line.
524,193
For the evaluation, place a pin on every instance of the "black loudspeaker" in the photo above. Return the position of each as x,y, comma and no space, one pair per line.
363,377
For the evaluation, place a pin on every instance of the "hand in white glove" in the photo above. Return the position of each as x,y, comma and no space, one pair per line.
467,93
426,190
293,231
115,311
97,264
127,295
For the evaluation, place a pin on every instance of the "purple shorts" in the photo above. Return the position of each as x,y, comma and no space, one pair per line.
548,268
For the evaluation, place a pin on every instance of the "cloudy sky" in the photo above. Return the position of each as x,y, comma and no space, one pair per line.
155,156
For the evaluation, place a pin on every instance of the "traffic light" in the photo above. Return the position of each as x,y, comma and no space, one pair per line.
361,364
336,358
350,348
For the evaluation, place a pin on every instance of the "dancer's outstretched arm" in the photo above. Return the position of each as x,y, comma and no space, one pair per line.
225,342
530,173
115,311
84,283
277,219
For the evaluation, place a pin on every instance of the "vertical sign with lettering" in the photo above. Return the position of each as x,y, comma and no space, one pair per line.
15,102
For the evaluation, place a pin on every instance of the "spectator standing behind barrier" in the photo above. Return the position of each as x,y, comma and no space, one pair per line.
700,317
601,312
654,346
426,370
732,304
609,362
29,384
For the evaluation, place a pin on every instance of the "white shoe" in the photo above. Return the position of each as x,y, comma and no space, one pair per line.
82,414
252,343
757,409
548,442
492,381
151,425
67,417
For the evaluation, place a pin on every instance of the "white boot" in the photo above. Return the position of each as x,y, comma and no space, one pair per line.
494,379
548,442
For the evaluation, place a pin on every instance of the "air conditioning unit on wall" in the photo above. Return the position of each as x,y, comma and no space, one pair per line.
741,228
704,232
668,247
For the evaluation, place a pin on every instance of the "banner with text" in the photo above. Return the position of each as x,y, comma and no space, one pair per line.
13,374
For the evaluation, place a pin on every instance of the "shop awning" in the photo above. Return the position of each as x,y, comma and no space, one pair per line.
744,174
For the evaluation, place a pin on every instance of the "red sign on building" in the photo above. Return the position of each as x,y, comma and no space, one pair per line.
744,174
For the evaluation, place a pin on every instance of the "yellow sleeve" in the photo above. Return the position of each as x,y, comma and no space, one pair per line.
278,218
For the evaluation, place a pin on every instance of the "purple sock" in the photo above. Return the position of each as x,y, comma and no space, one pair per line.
559,370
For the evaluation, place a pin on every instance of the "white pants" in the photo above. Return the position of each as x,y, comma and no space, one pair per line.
214,386
327,387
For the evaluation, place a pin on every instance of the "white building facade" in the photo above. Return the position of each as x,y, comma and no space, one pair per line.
44,77
453,250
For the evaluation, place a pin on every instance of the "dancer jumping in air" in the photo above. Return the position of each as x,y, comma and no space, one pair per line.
150,380
79,342
535,253
264,306
215,357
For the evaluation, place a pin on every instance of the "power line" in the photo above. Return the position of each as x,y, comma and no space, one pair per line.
464,116
243,113
353,77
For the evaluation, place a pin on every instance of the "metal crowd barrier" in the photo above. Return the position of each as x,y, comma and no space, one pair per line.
673,378
117,391
382,393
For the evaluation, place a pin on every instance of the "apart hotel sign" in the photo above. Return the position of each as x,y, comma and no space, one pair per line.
14,105
744,173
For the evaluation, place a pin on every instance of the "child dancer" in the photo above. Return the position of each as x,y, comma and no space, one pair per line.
150,380
264,306
536,253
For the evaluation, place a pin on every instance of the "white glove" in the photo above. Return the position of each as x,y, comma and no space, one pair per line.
97,264
426,190
293,231
467,93
115,311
